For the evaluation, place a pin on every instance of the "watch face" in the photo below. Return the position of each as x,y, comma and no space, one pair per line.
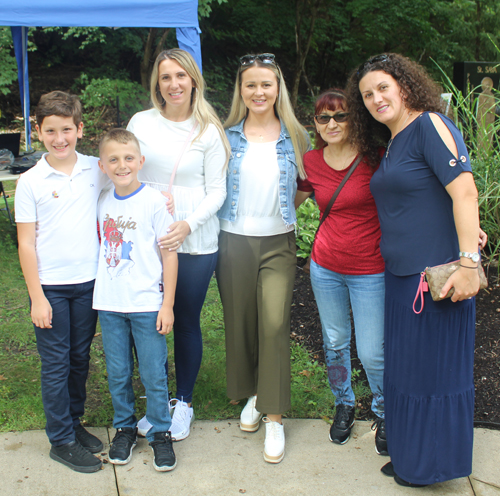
475,257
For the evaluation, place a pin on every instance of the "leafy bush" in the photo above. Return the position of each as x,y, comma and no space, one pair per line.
99,101
307,224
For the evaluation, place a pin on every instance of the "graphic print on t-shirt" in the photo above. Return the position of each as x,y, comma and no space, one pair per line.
117,252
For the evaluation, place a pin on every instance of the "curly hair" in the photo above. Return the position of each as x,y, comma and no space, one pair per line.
332,99
419,92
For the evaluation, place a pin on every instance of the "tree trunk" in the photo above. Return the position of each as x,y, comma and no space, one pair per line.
150,54
304,9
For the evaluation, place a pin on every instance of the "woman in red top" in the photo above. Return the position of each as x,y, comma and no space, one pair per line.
347,270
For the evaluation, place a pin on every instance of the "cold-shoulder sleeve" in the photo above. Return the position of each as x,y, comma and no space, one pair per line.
437,155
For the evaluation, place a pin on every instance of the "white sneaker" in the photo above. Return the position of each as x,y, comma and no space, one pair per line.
143,426
274,445
182,419
250,417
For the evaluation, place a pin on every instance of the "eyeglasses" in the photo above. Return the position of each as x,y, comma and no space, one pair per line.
325,118
266,58
373,60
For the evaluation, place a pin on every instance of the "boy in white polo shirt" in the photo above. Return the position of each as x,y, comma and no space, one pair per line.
135,302
56,211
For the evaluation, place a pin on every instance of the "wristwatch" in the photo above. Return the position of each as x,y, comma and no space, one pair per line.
473,256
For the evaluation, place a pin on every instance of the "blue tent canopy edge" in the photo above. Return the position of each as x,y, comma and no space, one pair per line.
179,14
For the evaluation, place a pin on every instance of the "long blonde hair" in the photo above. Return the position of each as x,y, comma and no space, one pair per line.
282,108
203,112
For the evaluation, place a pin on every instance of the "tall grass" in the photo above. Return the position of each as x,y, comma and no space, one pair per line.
485,160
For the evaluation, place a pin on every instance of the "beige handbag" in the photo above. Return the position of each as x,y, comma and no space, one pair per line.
433,279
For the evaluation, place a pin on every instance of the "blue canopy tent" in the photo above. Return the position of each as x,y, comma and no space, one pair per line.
20,14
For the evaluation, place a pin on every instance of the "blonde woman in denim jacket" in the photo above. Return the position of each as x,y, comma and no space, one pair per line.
256,266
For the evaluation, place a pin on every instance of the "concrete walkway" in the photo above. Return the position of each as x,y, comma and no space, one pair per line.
219,459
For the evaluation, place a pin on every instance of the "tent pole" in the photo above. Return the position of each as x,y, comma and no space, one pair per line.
25,90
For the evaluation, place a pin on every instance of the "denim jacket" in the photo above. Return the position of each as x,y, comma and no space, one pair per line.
288,174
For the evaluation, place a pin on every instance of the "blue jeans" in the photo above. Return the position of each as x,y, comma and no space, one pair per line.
65,352
119,333
366,294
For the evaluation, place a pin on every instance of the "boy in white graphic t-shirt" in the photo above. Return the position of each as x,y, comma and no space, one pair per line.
135,301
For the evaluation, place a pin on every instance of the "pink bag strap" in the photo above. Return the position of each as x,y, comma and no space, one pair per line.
172,177
422,287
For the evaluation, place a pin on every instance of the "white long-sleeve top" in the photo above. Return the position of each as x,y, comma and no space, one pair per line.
199,188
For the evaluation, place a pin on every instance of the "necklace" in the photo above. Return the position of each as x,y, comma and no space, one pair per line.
350,157
392,139
262,133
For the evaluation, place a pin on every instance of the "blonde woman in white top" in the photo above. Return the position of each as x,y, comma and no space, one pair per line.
199,190
256,268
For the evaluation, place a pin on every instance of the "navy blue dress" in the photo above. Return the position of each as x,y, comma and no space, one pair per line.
428,378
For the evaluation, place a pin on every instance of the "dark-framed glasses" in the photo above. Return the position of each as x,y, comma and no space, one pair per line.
266,58
325,118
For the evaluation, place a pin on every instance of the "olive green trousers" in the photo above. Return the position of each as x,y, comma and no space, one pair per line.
256,275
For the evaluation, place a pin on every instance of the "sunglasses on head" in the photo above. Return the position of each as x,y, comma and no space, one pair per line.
325,118
266,58
373,60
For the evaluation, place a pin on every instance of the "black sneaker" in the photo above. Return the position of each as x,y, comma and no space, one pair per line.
380,437
87,440
76,457
120,451
163,452
340,431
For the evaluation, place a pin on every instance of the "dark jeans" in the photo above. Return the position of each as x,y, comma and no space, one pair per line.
195,272
65,352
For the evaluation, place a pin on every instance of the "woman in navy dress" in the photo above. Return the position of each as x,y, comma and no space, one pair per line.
428,210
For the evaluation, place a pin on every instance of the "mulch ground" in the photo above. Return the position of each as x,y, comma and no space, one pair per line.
306,329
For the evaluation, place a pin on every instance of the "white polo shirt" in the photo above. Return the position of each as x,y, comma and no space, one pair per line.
64,209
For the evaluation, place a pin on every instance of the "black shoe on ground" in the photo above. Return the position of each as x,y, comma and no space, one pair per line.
76,457
163,452
388,469
87,440
343,421
404,483
120,451
380,437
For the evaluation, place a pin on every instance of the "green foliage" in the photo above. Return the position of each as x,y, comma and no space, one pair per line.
99,97
205,6
219,90
348,32
485,158
87,34
20,400
307,225
8,74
